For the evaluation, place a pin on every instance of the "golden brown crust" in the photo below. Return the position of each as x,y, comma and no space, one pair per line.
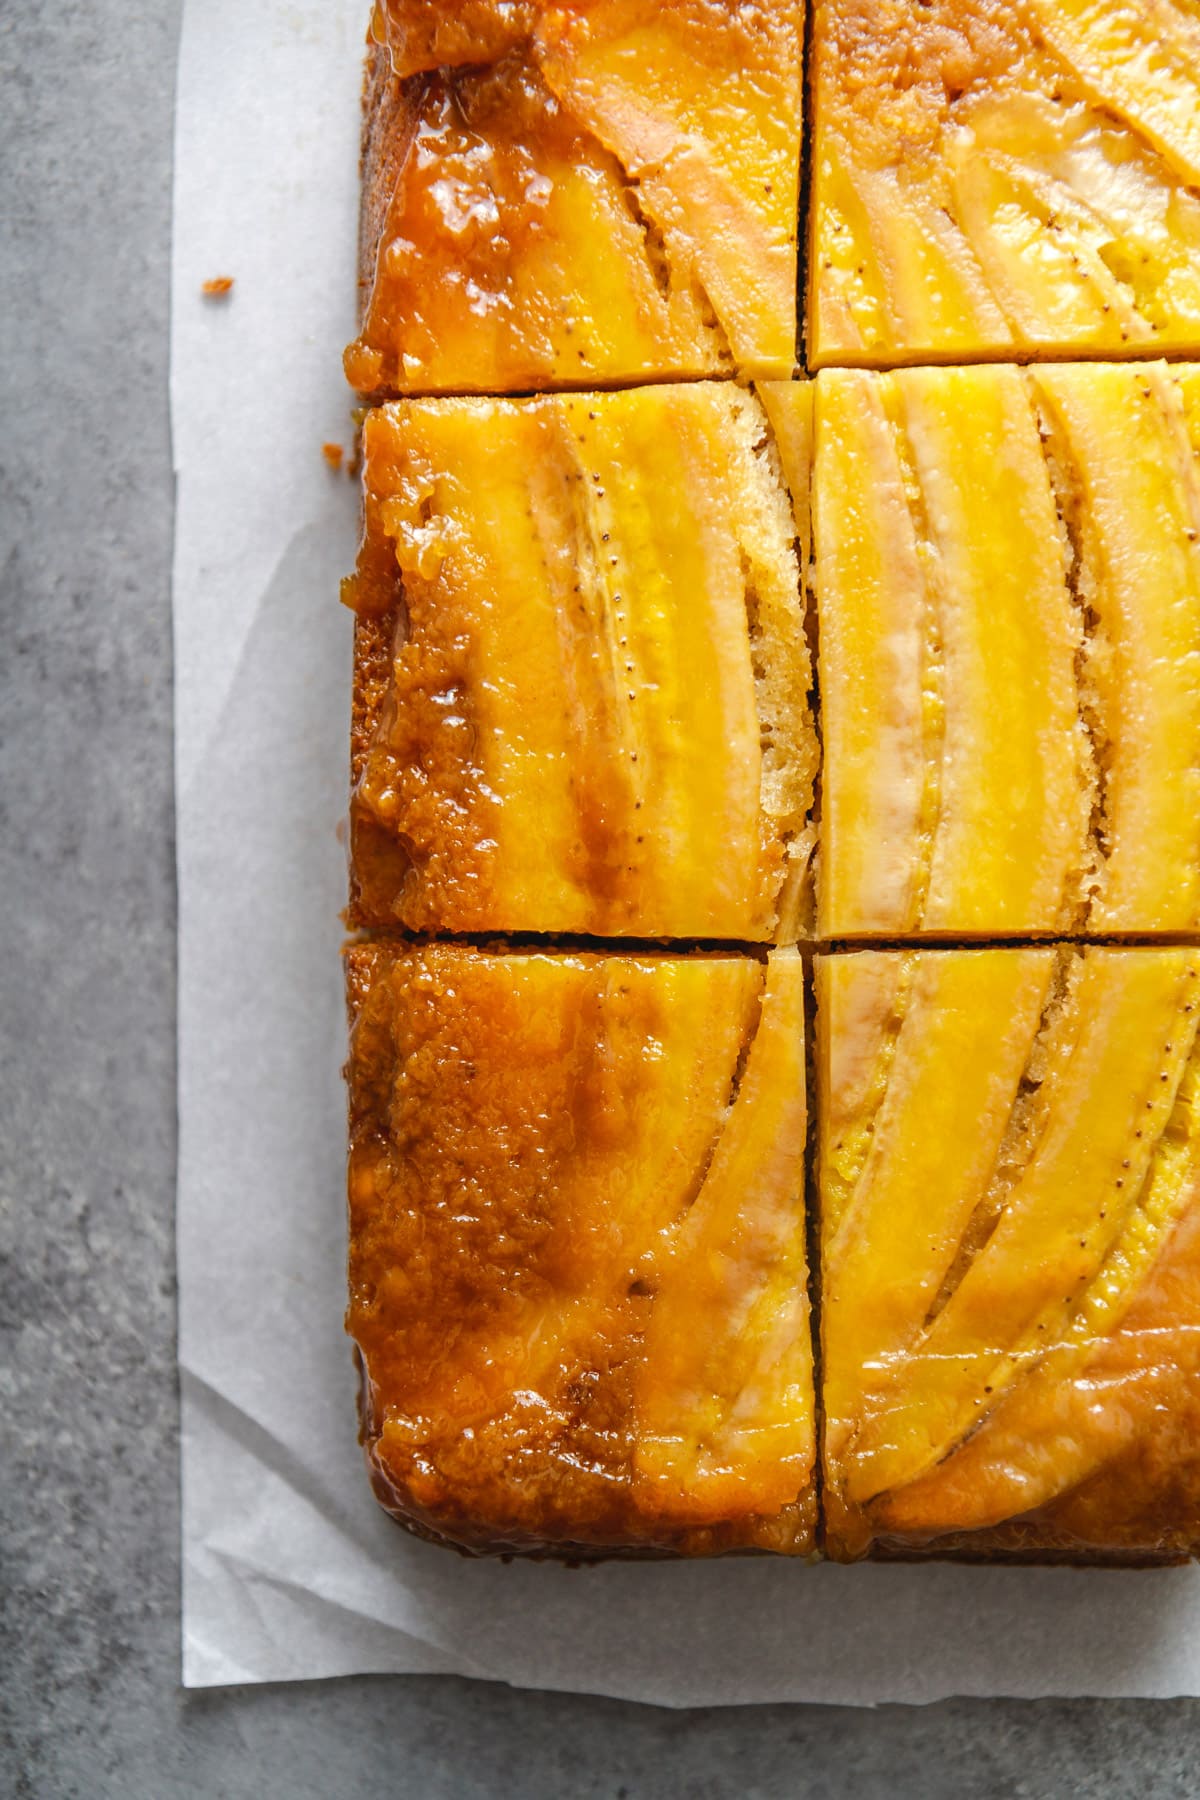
535,1143
391,108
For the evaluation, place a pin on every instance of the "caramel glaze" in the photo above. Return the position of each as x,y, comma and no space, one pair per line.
420,37
554,195
529,1138
1142,1506
435,276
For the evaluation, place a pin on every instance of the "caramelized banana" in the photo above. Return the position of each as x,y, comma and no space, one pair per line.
988,175
952,786
1004,1304
1008,588
1120,437
569,194
577,1266
582,670
724,1391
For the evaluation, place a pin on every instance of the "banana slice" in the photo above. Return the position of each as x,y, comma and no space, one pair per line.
986,176
1002,1301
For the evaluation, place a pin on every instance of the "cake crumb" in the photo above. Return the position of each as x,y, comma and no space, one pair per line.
333,454
217,287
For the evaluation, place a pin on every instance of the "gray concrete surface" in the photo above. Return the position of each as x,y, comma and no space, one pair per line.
89,1701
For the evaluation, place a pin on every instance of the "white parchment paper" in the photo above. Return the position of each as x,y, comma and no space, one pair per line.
290,1570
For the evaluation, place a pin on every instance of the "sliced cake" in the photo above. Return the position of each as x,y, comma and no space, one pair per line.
1008,581
581,695
1009,1169
578,1282
986,175
559,195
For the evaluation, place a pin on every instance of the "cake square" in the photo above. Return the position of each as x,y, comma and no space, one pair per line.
581,688
987,176
1009,1199
1007,567
565,195
578,1279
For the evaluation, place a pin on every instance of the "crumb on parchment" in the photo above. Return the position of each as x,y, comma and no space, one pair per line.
217,287
333,454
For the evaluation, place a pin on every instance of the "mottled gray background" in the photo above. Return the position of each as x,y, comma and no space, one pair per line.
89,1629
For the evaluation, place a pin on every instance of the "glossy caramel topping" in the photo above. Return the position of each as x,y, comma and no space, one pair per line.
570,194
1010,1295
420,37
989,174
577,1261
582,667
